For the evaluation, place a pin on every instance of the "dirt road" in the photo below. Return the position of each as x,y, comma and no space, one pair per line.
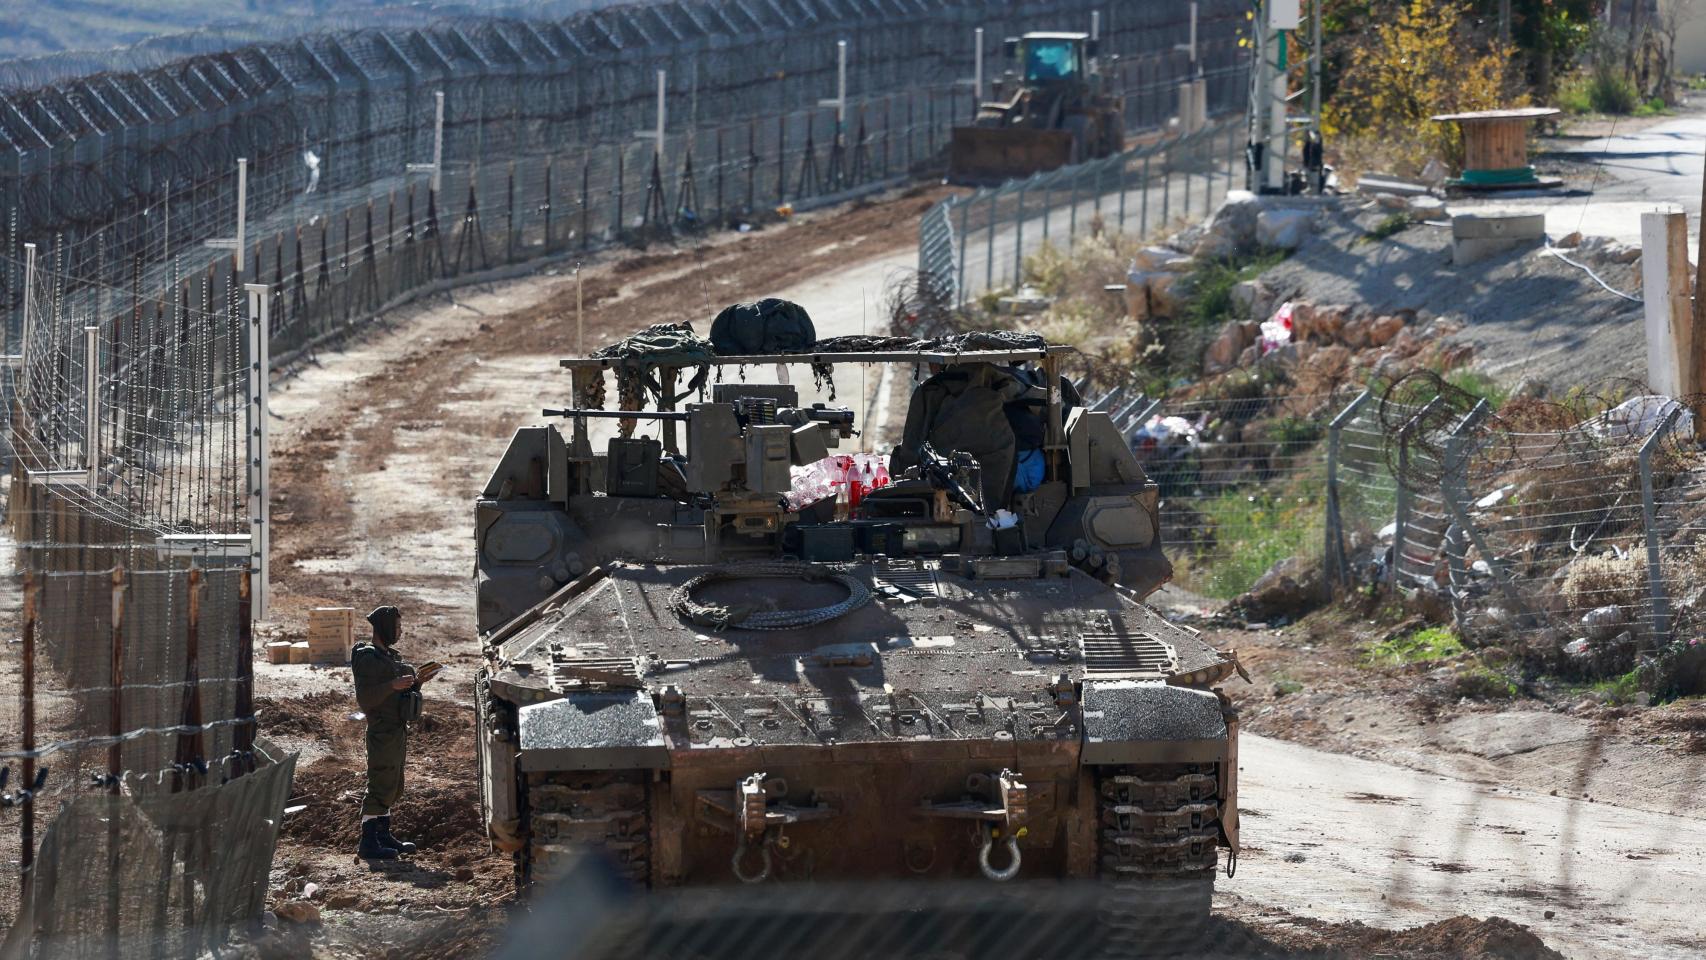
1343,839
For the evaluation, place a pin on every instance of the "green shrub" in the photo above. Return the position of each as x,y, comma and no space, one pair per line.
1417,646
1652,108
1396,223
1210,285
1600,89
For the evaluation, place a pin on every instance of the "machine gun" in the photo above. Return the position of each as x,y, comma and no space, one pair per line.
958,476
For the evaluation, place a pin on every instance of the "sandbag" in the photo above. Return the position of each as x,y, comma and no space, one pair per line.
770,325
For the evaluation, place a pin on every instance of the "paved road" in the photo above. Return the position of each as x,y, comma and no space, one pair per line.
1642,169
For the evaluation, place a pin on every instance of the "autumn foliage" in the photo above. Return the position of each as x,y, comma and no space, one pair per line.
1415,60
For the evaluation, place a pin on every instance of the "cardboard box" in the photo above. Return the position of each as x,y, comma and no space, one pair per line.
299,652
331,635
278,651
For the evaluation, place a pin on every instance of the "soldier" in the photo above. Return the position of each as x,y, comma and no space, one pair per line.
388,691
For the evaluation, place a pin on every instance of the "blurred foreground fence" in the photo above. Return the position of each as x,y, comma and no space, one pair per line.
976,243
342,174
1569,536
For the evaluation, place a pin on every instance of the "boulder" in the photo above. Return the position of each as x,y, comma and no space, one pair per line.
1223,352
1136,297
1425,208
298,911
1571,239
1392,202
1406,344
1383,329
1150,259
1321,324
1163,295
1235,221
1603,623
1290,588
1354,332
1249,356
1282,229
1244,294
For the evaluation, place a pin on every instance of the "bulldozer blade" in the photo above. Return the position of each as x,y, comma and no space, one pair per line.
981,156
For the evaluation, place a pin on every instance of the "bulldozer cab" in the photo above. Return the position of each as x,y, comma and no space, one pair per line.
1051,58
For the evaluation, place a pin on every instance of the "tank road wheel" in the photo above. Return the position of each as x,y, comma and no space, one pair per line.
1158,846
566,814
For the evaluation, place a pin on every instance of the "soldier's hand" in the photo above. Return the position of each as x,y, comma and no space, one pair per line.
402,683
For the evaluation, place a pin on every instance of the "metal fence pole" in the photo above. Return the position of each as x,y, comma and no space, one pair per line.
989,246
1401,518
1333,557
1019,237
1143,199
1657,599
961,270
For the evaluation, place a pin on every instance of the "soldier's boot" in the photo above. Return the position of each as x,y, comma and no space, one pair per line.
389,839
373,846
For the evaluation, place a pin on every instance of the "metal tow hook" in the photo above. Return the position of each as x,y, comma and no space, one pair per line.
764,852
1012,842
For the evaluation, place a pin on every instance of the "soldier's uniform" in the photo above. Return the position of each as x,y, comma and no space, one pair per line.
375,666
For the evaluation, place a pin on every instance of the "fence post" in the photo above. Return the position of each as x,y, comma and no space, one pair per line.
1454,492
27,815
1333,557
1657,599
92,405
1454,477
1401,518
989,245
260,486
1143,199
960,270
1019,237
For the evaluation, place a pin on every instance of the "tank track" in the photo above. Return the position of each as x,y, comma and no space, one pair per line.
567,813
1158,846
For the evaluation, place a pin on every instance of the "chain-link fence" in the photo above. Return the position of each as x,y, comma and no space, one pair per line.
1568,535
977,243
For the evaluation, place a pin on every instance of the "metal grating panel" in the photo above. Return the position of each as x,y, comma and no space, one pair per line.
1133,655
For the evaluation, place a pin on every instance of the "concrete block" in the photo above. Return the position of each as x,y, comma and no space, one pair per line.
1478,236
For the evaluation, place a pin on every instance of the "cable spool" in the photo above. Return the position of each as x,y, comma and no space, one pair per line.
746,617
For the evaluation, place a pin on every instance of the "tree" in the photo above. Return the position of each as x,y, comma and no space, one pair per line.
1413,60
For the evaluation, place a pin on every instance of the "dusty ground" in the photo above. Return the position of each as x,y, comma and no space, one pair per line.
380,450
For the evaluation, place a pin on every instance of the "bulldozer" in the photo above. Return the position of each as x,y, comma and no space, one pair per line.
1055,112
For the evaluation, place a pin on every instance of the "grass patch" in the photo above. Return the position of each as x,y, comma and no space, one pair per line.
1285,687
1211,284
1419,646
1482,682
1252,532
1618,689
1480,386
1655,107
1388,226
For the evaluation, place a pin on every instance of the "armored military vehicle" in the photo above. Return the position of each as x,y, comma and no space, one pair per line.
709,681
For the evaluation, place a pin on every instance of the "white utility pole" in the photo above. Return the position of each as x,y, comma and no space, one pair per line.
840,100
977,68
1095,24
1276,36
656,133
1193,93
260,485
235,244
92,403
436,167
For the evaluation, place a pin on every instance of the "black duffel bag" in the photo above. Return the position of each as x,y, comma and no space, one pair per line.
762,326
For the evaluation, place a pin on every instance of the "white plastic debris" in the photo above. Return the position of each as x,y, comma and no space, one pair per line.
312,160
1640,416
1003,519
1276,330
1493,498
